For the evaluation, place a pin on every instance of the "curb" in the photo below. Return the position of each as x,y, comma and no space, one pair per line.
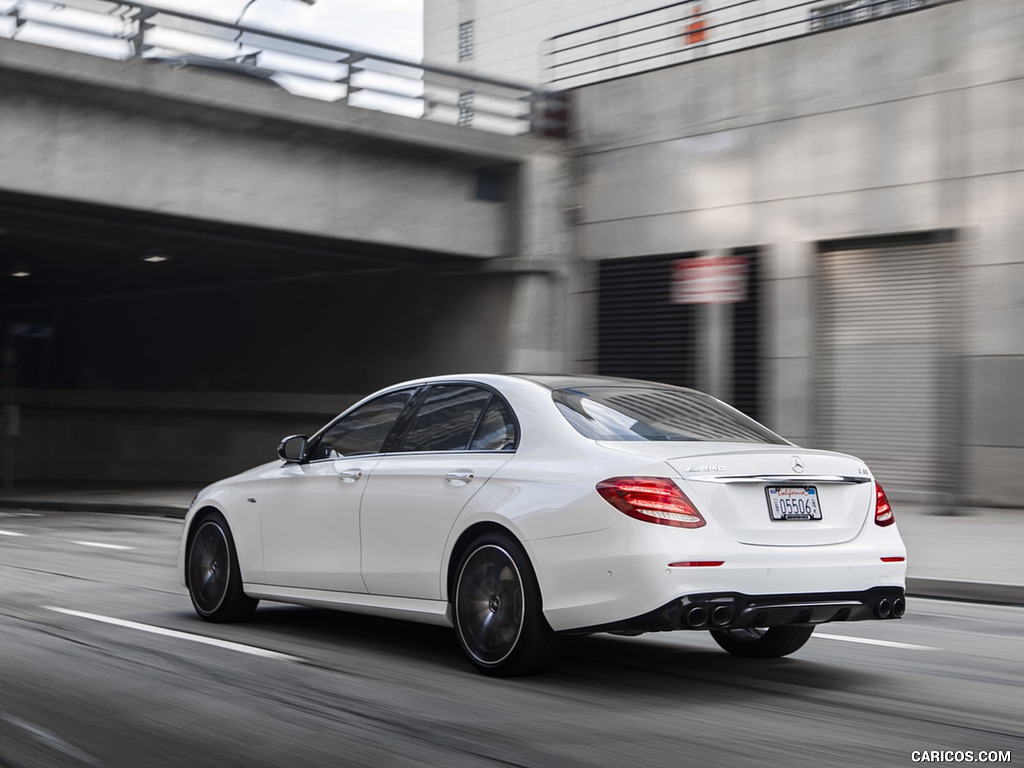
109,507
966,591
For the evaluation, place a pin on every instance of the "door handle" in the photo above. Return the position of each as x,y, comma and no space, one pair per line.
350,475
460,477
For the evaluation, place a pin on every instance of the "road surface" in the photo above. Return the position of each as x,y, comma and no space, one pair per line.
103,663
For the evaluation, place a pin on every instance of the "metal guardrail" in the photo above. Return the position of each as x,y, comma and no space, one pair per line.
688,30
313,69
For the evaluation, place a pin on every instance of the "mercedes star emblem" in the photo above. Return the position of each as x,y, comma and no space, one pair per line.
797,463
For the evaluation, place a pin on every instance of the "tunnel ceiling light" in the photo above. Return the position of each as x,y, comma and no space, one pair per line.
21,273
156,258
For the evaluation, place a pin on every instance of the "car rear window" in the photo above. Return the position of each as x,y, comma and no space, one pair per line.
638,413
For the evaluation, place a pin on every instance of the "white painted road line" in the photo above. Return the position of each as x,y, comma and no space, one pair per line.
101,546
249,649
11,533
51,740
869,641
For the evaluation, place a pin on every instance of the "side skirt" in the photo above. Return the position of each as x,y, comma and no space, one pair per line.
436,612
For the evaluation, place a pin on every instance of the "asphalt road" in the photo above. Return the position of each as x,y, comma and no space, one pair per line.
312,688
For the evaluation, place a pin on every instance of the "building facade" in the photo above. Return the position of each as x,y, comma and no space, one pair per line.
568,44
864,182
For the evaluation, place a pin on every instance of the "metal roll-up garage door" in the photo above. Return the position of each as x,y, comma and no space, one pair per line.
641,333
887,373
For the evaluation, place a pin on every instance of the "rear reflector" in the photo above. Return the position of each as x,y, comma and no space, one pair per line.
651,499
883,512
696,564
893,559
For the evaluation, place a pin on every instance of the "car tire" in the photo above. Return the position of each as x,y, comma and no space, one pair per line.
496,608
763,642
212,573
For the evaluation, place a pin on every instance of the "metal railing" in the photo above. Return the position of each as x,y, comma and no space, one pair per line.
312,69
688,30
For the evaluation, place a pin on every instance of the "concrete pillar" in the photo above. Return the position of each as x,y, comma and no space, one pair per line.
787,314
714,347
541,259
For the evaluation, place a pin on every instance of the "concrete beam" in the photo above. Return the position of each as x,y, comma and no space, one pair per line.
147,86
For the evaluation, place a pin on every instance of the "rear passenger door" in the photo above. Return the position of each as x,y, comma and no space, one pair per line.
458,437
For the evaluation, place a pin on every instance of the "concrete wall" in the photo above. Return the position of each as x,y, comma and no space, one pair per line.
901,125
193,387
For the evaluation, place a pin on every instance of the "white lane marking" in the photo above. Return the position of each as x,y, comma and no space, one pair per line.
869,641
101,546
252,650
11,533
51,740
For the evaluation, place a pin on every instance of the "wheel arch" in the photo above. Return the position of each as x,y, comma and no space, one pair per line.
466,538
200,514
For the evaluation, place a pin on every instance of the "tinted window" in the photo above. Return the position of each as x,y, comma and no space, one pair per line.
446,419
638,413
497,430
364,429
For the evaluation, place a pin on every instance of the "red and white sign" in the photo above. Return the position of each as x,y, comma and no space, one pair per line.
709,280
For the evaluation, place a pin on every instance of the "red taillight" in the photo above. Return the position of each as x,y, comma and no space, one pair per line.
651,499
883,512
696,564
894,559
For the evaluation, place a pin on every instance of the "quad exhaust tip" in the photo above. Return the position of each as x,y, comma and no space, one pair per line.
722,615
697,617
884,608
899,607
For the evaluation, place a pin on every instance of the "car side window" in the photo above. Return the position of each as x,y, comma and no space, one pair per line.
364,430
447,418
497,429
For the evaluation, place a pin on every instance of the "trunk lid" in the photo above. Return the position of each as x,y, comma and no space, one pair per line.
770,495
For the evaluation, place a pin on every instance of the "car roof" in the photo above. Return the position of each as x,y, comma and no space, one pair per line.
556,381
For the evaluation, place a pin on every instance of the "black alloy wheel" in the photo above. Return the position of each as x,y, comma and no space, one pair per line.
497,610
212,574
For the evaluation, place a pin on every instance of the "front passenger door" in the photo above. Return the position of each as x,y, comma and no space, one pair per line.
310,512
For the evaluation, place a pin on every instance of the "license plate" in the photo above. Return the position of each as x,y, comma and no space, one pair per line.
793,503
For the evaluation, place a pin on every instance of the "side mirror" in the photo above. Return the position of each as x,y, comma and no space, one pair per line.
292,448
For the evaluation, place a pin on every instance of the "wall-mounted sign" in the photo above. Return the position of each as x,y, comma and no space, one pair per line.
709,280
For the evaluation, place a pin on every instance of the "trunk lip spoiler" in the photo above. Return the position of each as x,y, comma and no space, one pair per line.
782,479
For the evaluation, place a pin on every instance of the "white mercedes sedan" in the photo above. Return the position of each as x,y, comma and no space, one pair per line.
516,508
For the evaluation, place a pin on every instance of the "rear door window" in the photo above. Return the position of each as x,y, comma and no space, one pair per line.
447,418
460,417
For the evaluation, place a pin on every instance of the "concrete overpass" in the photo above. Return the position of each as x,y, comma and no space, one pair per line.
311,252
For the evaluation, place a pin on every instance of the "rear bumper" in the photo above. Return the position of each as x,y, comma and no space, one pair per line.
734,610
